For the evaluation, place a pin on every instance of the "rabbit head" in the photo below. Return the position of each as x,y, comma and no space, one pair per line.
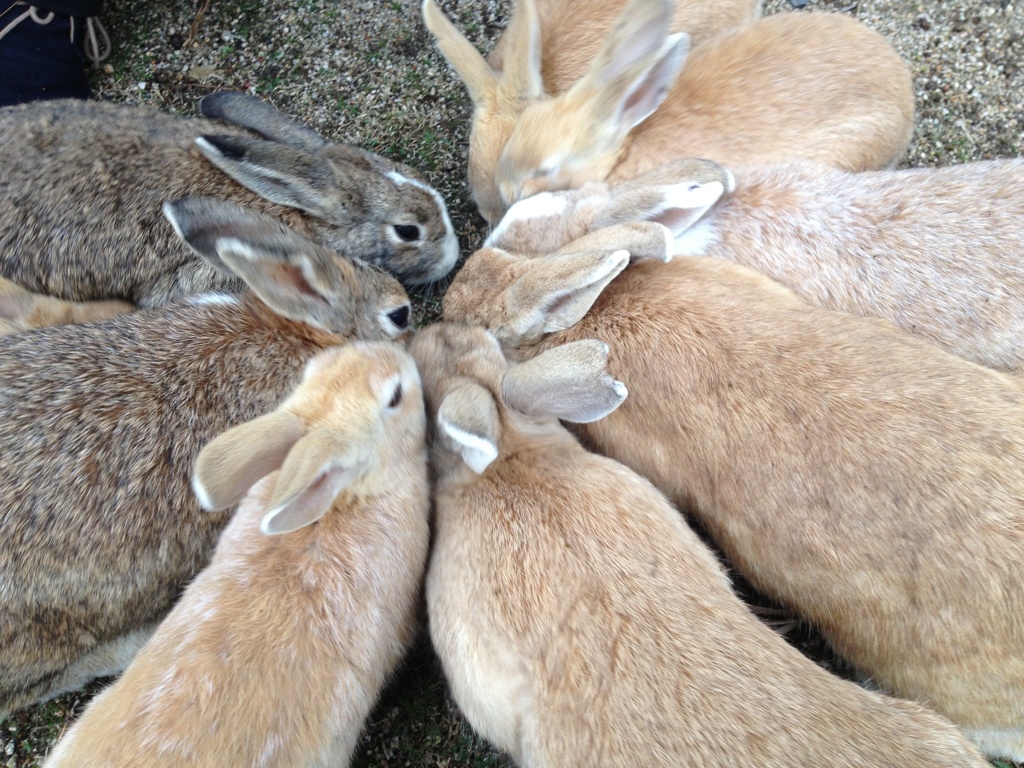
676,195
295,277
578,136
471,390
359,202
498,96
357,411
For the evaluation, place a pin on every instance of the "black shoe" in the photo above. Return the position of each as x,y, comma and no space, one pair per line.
42,52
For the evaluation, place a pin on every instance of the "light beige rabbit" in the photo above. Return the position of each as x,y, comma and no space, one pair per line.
83,183
817,86
867,479
100,425
22,310
276,653
937,251
581,623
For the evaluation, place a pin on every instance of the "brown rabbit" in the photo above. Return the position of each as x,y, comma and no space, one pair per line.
936,251
580,622
869,480
278,650
83,183
820,87
100,425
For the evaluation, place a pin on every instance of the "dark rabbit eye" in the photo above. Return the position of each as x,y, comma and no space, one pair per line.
396,398
400,316
407,232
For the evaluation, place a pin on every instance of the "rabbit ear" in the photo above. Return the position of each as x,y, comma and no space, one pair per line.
256,115
522,65
481,81
315,471
676,195
642,239
569,382
235,460
554,293
634,70
469,418
282,174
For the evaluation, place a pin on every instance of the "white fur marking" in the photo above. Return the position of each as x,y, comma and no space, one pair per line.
540,206
696,240
689,196
477,452
204,299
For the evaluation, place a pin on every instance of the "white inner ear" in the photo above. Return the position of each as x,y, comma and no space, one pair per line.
236,246
686,203
476,451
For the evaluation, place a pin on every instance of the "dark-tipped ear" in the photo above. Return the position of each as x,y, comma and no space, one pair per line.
235,460
257,115
201,221
569,382
282,174
296,278
315,471
481,81
556,292
468,418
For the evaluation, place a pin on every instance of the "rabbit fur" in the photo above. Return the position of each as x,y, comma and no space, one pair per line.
80,199
867,479
814,86
938,252
581,622
101,424
285,641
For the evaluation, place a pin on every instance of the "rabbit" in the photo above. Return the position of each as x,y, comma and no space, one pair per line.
865,478
276,653
22,310
938,252
545,49
813,86
100,425
571,34
80,199
579,620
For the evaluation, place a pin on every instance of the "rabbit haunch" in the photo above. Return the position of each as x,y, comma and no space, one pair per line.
818,86
285,641
866,478
84,181
937,251
101,424
578,619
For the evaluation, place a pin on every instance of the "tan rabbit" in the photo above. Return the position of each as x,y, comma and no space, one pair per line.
546,48
83,183
937,251
100,425
869,480
812,86
581,623
276,653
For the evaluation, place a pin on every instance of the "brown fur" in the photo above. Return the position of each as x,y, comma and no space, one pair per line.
278,650
83,183
101,424
866,478
21,310
580,622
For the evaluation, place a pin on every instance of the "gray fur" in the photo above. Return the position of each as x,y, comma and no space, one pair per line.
83,183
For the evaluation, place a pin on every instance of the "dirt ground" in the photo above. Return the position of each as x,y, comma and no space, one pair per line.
366,72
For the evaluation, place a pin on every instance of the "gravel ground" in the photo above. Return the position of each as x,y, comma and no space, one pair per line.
367,73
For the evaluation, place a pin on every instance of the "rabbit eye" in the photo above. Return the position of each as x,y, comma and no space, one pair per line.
396,397
400,316
407,232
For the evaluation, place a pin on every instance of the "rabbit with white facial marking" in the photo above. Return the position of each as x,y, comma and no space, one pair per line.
580,622
83,183
100,425
867,479
937,251
793,86
276,653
